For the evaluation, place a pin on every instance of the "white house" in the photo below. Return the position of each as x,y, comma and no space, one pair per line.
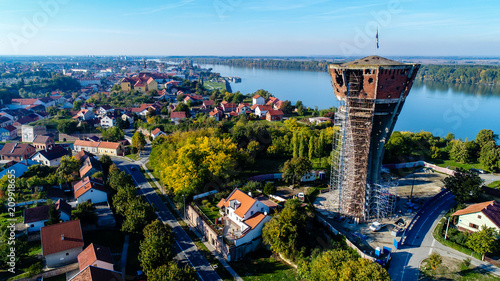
97,256
89,146
104,109
51,157
261,110
89,189
129,117
244,217
61,243
257,99
108,122
35,218
84,114
474,217
156,133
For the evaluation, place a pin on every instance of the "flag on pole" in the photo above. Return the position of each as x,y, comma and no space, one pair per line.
377,37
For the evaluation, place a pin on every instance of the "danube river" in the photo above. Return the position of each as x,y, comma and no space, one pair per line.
431,106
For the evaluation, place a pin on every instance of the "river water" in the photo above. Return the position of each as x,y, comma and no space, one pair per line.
431,106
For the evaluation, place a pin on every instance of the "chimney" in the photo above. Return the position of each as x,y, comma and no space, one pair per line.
62,237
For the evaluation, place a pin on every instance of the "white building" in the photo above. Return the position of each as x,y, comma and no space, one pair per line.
108,122
244,217
89,189
257,99
61,243
97,256
474,217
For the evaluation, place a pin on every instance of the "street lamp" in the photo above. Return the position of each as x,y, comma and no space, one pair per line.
447,225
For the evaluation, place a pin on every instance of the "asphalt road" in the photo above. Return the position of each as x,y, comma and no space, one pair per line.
420,243
184,243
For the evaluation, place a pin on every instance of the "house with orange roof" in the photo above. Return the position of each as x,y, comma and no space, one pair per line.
61,242
84,114
89,167
261,110
97,256
89,146
257,99
90,189
243,219
156,133
274,115
475,216
110,148
217,114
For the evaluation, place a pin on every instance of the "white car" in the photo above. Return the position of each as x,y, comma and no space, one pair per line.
376,226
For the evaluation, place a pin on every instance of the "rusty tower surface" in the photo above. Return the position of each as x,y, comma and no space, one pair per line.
371,92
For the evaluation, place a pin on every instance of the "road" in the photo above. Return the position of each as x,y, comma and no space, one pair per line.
419,243
184,243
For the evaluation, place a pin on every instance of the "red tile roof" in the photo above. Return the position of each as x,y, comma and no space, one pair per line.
92,273
273,112
254,220
178,114
474,208
61,237
93,253
246,202
86,143
156,131
80,189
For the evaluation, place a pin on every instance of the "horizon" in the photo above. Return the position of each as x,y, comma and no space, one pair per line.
235,28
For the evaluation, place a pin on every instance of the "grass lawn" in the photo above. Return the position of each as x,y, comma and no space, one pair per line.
112,239
213,85
5,215
132,156
210,211
454,269
452,165
261,266
495,184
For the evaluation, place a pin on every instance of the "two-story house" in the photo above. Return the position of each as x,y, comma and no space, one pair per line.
43,142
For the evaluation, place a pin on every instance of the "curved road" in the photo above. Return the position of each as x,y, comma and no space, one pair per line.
419,243
184,243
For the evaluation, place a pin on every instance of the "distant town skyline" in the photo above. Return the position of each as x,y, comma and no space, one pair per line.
249,28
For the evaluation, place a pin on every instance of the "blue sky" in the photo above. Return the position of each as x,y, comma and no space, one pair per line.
249,28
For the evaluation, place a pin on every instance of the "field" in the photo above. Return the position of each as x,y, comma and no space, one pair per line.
454,269
214,85
262,266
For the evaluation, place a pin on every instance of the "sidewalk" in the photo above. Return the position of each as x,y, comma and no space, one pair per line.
195,231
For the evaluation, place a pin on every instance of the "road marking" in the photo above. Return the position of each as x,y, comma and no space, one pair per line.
403,273
432,246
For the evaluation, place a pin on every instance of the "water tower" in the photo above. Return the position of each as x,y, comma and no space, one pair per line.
372,92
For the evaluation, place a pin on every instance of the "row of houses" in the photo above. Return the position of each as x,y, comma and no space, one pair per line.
100,147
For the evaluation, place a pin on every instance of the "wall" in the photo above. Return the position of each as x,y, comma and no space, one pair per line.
61,257
36,226
464,220
96,196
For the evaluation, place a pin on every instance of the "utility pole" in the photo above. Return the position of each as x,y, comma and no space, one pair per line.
447,225
184,205
411,193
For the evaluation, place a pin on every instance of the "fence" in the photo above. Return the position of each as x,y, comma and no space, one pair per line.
438,196
348,242
419,164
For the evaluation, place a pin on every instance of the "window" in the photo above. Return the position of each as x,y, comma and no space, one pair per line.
473,226
251,212
478,216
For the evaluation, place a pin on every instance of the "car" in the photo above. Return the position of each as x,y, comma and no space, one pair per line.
376,226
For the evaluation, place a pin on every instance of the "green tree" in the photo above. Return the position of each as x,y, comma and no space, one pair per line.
138,214
269,188
295,168
77,104
85,212
465,185
67,126
156,249
286,107
113,134
295,144
67,169
106,162
459,151
311,147
286,230
484,137
434,260
138,141
490,156
172,272
482,241
121,199
54,215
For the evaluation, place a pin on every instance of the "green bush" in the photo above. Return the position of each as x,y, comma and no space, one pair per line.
438,235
